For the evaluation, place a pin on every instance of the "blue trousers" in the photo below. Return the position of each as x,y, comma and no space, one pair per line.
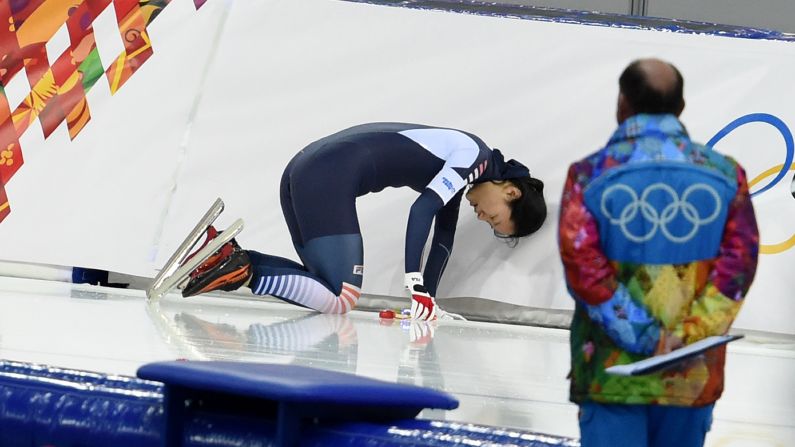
643,425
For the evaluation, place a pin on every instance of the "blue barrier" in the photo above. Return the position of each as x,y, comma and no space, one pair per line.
228,404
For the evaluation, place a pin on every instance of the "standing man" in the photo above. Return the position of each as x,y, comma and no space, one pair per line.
659,245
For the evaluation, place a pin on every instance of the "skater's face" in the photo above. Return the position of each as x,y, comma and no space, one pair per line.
491,203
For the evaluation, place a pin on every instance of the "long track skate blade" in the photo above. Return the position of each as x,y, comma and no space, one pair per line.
198,259
182,252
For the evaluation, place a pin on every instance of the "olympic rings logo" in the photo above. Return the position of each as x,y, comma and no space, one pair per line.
660,219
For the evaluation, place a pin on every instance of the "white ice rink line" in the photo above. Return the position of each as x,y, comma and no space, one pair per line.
504,375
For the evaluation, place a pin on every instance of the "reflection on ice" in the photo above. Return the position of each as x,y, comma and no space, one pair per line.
503,375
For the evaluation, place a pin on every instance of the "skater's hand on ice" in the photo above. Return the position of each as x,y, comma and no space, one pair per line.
423,306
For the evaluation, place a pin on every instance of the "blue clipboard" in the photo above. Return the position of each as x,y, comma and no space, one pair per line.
659,362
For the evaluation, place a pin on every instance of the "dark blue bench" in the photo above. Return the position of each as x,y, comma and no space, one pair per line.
291,395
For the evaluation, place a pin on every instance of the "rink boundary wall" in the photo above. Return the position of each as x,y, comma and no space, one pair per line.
591,18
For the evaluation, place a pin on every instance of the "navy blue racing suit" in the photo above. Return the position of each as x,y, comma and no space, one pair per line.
319,188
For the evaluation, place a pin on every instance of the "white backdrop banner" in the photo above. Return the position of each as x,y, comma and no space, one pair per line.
229,92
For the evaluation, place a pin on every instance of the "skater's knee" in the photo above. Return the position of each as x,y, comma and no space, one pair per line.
348,298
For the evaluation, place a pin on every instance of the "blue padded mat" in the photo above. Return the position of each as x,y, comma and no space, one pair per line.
296,384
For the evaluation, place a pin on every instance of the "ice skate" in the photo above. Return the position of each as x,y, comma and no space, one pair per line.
227,269
181,265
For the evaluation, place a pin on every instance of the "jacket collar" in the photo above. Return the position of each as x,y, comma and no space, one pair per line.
643,125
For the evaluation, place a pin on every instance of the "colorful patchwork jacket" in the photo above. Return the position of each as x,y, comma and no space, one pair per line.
658,238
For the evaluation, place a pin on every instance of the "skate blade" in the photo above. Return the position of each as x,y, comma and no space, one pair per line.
182,273
184,249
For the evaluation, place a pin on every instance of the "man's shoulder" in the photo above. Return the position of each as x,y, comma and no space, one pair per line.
601,160
707,157
596,156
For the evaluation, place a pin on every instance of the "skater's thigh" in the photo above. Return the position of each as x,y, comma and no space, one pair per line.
332,242
332,247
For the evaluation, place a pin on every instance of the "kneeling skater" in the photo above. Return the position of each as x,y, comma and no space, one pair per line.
319,188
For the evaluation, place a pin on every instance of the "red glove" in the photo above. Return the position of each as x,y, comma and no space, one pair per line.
423,306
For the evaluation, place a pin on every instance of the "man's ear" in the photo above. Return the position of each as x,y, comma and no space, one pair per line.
623,110
681,108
